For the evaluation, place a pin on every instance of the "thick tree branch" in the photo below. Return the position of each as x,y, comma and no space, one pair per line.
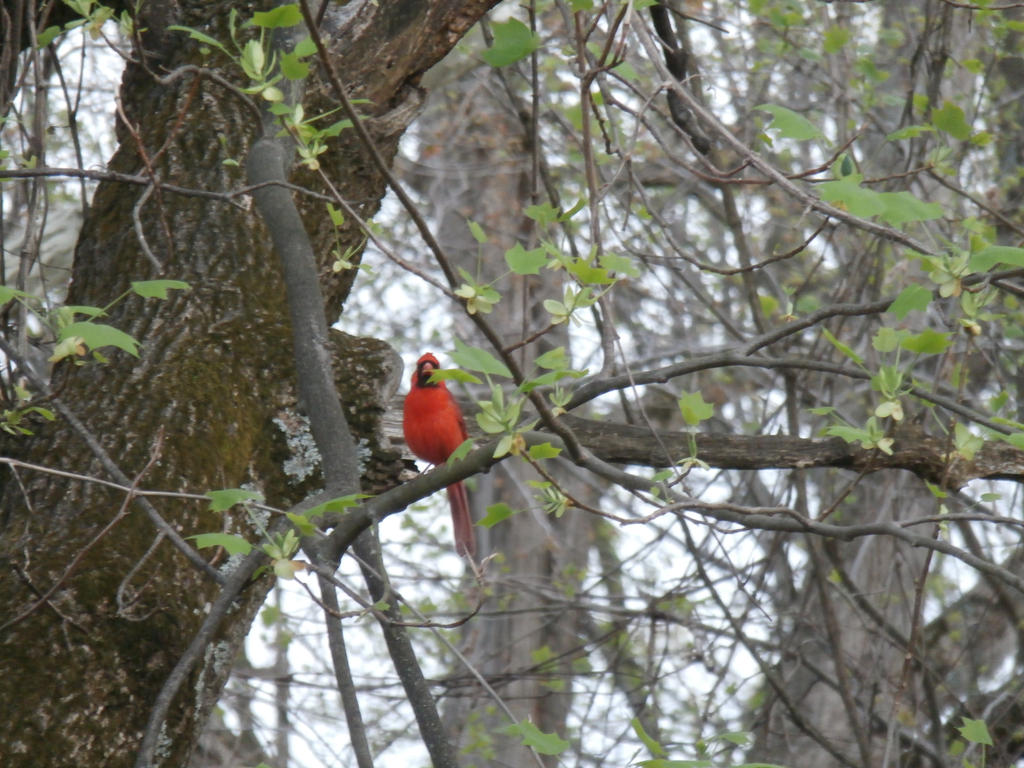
913,450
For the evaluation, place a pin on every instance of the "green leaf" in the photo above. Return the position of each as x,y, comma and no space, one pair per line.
951,119
476,359
157,289
336,128
47,36
201,37
305,48
460,452
270,615
554,359
974,66
504,446
990,255
967,443
282,16
890,409
886,339
232,543
286,569
496,513
454,374
558,311
903,207
303,523
769,304
7,293
975,731
836,37
848,193
66,348
790,124
532,736
845,349
849,434
544,214
928,342
694,409
913,297
577,207
543,451
621,264
46,413
293,67
335,506
96,335
513,41
586,272
653,746
524,262
909,132
550,378
336,214
225,499
81,309
477,231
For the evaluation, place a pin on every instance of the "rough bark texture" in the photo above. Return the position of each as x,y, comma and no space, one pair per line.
213,377
929,457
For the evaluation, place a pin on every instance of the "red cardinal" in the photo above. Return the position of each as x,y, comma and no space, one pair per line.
434,428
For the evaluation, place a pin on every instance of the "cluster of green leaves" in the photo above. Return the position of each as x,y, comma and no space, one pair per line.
343,257
957,273
13,420
74,339
501,414
591,276
93,16
265,70
279,547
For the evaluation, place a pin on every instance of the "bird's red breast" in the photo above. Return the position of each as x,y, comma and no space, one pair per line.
434,428
432,421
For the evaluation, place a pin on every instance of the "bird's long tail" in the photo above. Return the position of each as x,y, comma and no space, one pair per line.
462,523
